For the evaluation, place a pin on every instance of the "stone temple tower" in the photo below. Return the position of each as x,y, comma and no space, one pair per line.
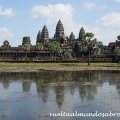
81,34
26,40
38,40
44,35
72,36
59,30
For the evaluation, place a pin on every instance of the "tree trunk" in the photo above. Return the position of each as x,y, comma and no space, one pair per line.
119,59
26,55
82,55
38,55
89,59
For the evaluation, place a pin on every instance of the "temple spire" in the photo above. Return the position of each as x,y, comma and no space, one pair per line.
44,35
59,29
72,36
81,34
38,37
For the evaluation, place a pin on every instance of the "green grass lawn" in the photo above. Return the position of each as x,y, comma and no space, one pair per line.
57,64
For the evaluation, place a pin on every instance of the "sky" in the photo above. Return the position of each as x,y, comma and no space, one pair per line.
20,18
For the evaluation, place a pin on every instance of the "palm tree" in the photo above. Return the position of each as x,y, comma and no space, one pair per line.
26,48
88,44
39,46
83,47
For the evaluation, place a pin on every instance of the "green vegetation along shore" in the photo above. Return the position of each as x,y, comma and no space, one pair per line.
27,67
58,64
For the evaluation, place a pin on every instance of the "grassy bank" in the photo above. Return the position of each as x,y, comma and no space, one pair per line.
58,65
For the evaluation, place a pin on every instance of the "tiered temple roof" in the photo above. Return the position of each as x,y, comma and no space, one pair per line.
72,36
26,40
45,33
59,29
38,37
81,34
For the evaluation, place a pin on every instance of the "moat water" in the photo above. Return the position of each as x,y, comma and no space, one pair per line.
32,96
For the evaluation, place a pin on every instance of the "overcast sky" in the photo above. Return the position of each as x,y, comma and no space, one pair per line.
19,18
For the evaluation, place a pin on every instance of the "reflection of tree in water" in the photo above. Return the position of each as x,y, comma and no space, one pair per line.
87,92
26,85
112,77
117,81
88,81
118,88
87,85
59,91
57,76
72,88
99,76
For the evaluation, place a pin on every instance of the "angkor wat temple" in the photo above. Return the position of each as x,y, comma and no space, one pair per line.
100,52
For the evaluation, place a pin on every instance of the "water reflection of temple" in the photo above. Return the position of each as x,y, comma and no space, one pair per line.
59,91
75,81
42,90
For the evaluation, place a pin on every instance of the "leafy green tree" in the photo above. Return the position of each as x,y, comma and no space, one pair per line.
26,48
68,55
54,47
39,46
117,52
88,44
83,47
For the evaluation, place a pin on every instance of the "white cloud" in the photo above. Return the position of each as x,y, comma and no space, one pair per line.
117,0
6,11
64,12
5,33
111,24
52,13
108,36
103,7
111,19
89,6
92,6
55,12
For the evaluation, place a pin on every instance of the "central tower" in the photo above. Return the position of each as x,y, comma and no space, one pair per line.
81,34
59,29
